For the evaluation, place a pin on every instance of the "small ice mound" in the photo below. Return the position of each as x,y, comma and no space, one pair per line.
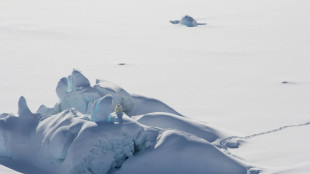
187,21
102,109
234,143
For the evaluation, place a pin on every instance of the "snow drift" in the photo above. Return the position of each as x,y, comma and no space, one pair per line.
82,134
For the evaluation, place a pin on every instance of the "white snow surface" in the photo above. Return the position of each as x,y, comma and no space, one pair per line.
228,73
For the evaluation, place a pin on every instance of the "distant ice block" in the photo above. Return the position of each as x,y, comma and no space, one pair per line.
187,21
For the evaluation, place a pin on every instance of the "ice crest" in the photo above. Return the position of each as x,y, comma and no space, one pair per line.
23,109
77,81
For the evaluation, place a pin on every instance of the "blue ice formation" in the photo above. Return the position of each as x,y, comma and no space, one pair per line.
102,109
76,92
67,139
187,21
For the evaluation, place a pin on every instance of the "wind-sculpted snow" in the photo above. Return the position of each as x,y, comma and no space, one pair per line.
177,152
82,135
71,143
86,147
171,121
